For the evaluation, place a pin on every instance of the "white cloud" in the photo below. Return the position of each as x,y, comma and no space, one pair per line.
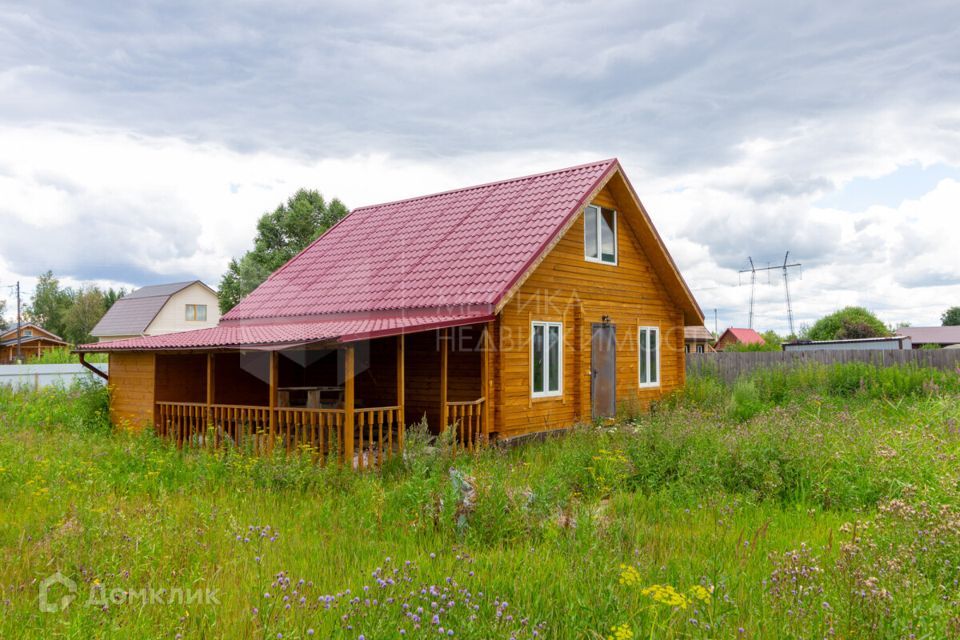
141,143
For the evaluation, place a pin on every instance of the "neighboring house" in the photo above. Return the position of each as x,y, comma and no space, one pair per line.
853,344
160,309
34,340
502,309
738,336
697,339
927,336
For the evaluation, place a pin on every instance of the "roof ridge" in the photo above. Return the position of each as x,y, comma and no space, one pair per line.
487,185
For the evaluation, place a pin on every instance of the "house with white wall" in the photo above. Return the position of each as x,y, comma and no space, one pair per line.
160,309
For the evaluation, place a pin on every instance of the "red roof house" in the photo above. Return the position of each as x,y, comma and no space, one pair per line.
738,336
500,309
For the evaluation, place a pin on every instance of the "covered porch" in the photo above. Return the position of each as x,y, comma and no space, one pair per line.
349,401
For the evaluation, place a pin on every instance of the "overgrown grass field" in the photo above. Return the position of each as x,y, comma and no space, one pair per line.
817,503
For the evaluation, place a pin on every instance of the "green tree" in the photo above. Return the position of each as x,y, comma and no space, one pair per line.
111,295
281,234
772,338
3,320
951,317
846,324
49,304
88,307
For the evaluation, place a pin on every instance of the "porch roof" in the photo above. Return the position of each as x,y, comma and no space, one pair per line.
335,328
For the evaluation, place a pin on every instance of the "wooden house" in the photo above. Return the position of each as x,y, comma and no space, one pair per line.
34,341
734,335
497,310
698,339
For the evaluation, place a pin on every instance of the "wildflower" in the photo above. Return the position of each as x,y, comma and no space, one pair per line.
629,575
666,594
701,593
621,632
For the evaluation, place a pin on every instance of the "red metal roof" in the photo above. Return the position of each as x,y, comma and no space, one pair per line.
337,328
745,336
456,248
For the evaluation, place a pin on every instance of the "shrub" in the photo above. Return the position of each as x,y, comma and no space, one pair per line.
847,323
745,400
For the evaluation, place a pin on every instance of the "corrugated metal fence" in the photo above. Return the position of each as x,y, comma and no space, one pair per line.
732,364
34,376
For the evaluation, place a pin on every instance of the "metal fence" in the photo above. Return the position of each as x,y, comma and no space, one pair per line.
730,365
35,376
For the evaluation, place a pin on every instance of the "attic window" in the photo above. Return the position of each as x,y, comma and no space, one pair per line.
27,332
196,312
600,234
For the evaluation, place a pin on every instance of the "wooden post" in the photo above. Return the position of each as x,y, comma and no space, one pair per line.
401,388
210,395
486,381
444,336
274,377
348,403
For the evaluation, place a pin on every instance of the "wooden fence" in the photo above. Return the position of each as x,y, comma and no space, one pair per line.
730,365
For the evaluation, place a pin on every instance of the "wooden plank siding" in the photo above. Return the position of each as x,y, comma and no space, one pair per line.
566,288
132,389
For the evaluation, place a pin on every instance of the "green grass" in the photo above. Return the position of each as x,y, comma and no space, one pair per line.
804,504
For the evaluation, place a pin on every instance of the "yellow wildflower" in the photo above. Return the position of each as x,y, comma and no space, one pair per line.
629,575
701,593
666,594
621,632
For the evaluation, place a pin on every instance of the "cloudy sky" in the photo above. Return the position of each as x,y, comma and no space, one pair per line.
139,145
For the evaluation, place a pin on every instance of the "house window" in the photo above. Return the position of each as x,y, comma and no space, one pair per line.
701,349
600,234
26,333
649,342
546,355
197,312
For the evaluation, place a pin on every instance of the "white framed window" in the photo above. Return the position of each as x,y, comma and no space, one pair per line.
546,359
701,349
27,332
196,312
600,234
648,339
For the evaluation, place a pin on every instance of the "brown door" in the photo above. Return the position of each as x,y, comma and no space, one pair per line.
603,362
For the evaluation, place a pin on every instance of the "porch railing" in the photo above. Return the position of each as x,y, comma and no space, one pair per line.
467,421
378,432
379,435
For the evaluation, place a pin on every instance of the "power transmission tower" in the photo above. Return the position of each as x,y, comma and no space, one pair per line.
753,287
786,291
786,286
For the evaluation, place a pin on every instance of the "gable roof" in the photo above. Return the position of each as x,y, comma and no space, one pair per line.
459,247
133,313
697,333
27,339
453,257
931,335
9,336
743,336
12,331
